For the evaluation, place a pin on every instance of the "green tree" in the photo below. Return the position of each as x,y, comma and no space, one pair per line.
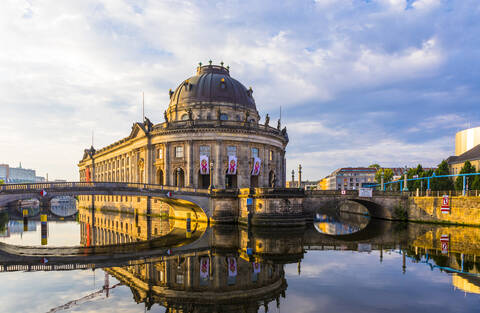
466,169
415,173
387,175
441,183
474,182
377,166
2,182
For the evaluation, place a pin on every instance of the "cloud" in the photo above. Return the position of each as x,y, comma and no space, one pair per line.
72,67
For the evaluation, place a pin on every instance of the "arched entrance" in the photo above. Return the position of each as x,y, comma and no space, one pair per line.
179,177
160,177
203,180
272,179
230,180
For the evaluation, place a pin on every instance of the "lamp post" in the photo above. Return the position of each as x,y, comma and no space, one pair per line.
405,179
292,185
211,177
382,181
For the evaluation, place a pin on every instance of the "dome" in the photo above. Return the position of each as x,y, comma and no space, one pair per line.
212,84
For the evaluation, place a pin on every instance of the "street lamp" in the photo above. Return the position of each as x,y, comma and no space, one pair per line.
405,179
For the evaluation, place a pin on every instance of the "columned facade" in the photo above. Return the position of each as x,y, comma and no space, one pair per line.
211,117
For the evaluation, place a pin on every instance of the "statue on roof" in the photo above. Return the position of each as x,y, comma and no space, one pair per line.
165,116
279,124
267,120
190,114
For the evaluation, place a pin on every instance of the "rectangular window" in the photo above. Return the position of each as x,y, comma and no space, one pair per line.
254,152
205,150
232,150
159,153
270,155
179,152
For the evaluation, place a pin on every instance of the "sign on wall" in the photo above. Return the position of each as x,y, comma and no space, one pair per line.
204,165
232,267
445,205
256,166
365,192
204,267
232,165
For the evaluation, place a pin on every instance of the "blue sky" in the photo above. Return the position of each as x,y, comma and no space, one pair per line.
359,82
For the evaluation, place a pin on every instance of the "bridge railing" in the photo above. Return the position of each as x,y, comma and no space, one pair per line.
92,185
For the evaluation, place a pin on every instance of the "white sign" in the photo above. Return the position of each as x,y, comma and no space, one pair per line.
365,192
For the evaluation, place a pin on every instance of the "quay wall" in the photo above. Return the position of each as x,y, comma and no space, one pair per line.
463,210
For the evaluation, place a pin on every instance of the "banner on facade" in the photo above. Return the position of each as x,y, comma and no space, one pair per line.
256,166
232,165
204,266
256,268
87,175
445,205
204,165
232,267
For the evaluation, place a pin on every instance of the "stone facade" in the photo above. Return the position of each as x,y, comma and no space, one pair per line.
202,119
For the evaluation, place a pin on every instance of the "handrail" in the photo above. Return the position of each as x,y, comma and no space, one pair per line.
71,185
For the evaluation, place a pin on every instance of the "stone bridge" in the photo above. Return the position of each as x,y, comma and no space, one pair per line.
268,206
382,204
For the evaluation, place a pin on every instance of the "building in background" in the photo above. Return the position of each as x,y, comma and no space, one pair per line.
306,184
349,178
467,148
16,175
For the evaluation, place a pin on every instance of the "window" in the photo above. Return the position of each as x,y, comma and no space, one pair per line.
160,153
184,117
223,117
270,157
231,150
205,150
254,152
179,152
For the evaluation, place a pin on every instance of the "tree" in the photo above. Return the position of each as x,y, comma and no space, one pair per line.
466,169
387,175
474,182
2,182
377,166
441,183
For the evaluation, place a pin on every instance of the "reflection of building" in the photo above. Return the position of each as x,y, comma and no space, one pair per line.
466,283
18,175
211,121
350,178
216,276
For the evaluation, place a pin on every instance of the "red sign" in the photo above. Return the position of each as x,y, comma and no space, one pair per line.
168,194
43,193
445,205
444,240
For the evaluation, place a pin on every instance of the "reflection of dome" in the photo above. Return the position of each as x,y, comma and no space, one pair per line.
212,84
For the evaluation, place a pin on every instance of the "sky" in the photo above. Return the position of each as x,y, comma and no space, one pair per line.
359,82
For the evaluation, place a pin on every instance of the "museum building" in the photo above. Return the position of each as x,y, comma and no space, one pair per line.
211,128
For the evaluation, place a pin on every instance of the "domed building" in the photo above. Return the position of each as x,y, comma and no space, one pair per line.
211,136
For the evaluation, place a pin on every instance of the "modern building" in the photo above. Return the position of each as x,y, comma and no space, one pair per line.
11,175
467,148
350,178
211,128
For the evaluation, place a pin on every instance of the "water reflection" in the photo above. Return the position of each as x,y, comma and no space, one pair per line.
357,265
340,223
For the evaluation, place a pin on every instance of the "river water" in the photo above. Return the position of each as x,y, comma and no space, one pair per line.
340,263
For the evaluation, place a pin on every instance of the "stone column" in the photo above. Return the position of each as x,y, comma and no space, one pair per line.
148,167
190,268
284,170
278,168
166,167
299,176
189,172
264,182
219,175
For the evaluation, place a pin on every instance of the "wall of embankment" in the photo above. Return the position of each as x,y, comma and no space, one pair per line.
463,210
